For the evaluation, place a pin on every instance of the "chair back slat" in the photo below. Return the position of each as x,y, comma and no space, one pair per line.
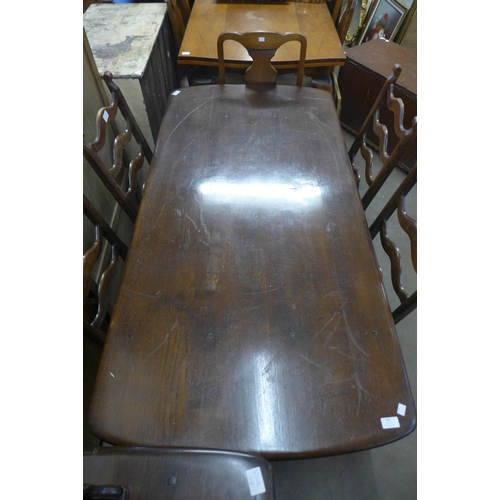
128,115
261,46
98,220
121,177
405,137
130,207
104,116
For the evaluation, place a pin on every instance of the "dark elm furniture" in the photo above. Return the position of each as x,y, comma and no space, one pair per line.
251,315
122,473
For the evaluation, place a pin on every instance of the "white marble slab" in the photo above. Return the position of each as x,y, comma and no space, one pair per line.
122,36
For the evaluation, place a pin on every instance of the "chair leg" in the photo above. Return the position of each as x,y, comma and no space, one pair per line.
323,83
337,95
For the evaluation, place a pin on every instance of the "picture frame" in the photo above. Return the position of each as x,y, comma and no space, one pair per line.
358,22
383,21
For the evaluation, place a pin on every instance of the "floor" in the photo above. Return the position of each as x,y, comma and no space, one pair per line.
388,472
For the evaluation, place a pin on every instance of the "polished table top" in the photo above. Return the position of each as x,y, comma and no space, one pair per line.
251,315
209,18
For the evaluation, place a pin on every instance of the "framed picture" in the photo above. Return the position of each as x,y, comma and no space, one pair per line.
383,21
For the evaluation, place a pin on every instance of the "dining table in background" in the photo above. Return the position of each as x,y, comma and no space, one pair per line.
252,316
210,18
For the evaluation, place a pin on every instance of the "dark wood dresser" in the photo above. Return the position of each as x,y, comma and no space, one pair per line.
360,80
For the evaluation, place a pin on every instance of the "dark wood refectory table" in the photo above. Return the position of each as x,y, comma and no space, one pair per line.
251,316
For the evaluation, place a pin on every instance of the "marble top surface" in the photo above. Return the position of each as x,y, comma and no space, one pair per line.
122,36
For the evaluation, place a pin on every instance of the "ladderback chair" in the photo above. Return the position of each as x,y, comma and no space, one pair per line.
178,12
96,309
405,138
341,18
131,473
261,46
121,177
408,302
178,15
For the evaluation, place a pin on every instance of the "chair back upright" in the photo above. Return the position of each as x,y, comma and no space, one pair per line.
261,46
405,138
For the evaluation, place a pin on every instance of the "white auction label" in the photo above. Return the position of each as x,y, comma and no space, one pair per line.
185,53
390,422
105,116
175,92
401,409
262,39
255,481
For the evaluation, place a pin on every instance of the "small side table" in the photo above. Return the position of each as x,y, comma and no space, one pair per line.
367,67
134,42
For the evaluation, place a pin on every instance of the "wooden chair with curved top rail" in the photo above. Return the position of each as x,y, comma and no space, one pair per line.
341,18
405,138
396,203
121,178
261,46
178,12
342,13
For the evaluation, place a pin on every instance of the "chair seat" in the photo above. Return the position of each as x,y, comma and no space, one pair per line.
175,473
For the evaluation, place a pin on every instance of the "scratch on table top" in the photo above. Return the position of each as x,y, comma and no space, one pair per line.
261,291
185,118
310,361
206,232
331,333
360,389
194,223
150,295
266,368
159,216
336,349
322,130
334,315
348,379
315,98
353,340
166,337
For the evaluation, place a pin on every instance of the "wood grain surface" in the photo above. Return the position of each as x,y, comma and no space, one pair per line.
251,316
210,18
